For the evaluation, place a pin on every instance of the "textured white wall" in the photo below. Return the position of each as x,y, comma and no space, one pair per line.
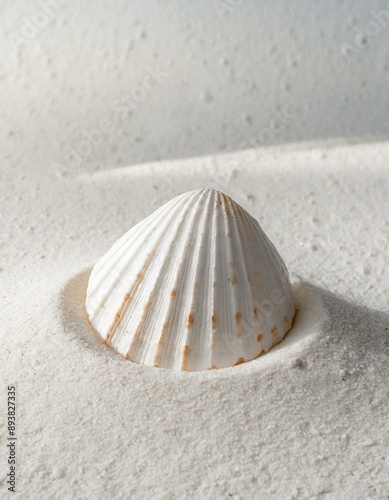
232,73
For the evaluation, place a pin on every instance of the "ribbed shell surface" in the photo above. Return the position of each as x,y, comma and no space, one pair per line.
194,286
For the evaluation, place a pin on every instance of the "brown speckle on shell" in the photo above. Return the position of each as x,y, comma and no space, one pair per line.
161,343
287,323
184,365
190,320
116,322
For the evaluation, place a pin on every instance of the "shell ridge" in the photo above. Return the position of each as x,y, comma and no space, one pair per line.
120,244
217,291
119,319
128,291
233,285
167,304
116,255
177,315
259,326
274,256
111,273
213,290
263,331
283,279
174,230
197,328
222,291
246,229
247,282
262,241
274,261
206,342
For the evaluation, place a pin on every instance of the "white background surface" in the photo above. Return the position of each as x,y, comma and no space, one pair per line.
227,75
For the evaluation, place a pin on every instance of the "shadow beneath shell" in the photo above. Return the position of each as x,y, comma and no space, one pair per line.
323,318
308,324
74,317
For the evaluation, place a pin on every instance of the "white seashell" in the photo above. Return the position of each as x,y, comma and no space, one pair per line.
194,286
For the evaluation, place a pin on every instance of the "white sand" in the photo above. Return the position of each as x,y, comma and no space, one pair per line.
307,420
